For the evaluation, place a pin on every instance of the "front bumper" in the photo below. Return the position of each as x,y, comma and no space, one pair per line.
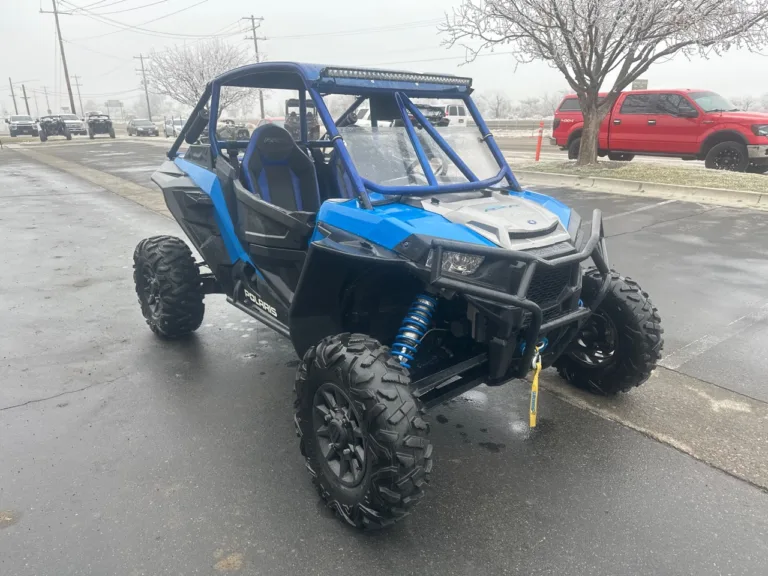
758,152
25,129
501,356
146,133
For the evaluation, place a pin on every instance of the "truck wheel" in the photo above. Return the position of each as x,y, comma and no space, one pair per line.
168,285
111,132
573,149
620,344
361,430
620,157
728,156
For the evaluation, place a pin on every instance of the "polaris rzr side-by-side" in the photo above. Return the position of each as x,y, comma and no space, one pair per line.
99,123
401,258
53,126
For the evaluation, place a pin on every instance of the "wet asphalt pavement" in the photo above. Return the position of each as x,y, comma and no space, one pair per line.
124,454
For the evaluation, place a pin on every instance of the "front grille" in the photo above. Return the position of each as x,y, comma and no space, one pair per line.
547,285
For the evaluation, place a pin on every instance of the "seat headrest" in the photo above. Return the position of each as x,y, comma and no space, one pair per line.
273,142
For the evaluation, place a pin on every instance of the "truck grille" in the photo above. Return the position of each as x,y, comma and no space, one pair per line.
547,285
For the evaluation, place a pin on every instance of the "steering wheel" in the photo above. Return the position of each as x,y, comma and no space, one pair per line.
438,164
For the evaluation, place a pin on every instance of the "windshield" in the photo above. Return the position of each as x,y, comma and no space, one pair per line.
68,117
142,123
712,102
21,119
386,156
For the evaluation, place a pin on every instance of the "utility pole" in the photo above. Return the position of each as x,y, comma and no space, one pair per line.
256,39
13,95
141,57
26,98
47,104
63,57
37,109
79,98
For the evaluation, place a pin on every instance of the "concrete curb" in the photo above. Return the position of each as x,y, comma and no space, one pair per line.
637,188
151,199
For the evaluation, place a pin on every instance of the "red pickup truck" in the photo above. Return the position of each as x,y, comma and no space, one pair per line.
687,124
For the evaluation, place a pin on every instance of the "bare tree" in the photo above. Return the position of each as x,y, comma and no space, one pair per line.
182,72
497,104
589,40
746,103
551,100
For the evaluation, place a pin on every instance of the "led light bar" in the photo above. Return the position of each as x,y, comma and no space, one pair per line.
363,74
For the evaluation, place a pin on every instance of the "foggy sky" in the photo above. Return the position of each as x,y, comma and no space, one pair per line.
107,69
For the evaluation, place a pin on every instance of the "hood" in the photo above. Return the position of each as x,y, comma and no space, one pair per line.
508,221
744,117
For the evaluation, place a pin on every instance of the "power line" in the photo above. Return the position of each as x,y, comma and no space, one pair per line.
137,28
354,31
131,9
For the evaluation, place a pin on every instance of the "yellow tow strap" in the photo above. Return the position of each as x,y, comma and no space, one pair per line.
534,409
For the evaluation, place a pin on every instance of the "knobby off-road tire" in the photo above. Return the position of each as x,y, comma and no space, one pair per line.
383,416
111,132
43,136
626,358
168,285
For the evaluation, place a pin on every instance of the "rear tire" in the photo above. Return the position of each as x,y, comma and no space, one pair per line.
43,136
620,157
67,134
111,132
731,156
619,346
573,149
90,134
168,285
353,404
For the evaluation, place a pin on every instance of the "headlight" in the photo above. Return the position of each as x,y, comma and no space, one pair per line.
458,263
760,129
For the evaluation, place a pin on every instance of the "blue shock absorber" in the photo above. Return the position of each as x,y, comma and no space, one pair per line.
415,326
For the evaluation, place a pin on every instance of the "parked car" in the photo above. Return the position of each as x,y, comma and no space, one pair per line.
172,126
687,124
21,124
74,124
141,127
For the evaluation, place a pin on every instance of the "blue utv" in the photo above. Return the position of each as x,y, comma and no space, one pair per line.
400,256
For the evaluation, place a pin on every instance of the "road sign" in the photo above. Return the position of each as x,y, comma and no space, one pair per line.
640,85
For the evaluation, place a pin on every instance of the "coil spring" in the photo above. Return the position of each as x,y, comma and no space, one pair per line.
415,326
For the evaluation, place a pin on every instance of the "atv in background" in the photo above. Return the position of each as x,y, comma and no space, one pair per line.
99,123
231,130
53,126
293,119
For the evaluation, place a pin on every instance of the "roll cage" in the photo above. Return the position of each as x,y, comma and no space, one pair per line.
319,81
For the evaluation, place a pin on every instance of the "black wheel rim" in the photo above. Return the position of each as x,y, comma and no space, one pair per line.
597,342
151,290
339,434
728,159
